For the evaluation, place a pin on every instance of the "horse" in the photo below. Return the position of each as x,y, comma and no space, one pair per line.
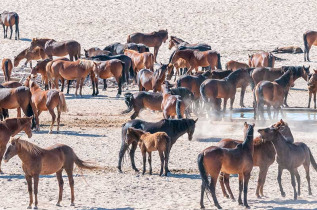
263,157
197,58
289,156
179,64
148,143
272,94
174,128
172,105
219,74
9,128
148,80
36,54
154,39
111,68
38,161
40,68
9,19
55,48
7,68
140,60
234,65
181,44
310,39
141,48
214,89
288,49
47,101
96,51
262,59
72,70
213,160
312,88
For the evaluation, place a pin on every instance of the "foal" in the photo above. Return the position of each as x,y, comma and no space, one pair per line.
172,105
312,87
148,143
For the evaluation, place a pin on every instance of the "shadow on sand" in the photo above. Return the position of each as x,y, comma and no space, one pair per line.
208,139
25,39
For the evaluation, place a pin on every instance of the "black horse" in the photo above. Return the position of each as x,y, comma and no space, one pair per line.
118,49
141,48
173,128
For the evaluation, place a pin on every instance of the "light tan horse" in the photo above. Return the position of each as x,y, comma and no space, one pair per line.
140,60
180,63
9,19
47,101
7,68
234,65
37,161
72,70
55,48
262,59
35,54
310,39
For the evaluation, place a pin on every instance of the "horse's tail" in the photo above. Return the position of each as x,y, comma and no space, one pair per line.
312,160
123,73
79,51
128,39
306,47
270,60
202,92
171,57
30,112
62,102
202,171
6,70
218,61
178,83
16,18
128,99
84,164
178,108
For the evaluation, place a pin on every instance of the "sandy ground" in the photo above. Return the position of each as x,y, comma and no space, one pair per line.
93,124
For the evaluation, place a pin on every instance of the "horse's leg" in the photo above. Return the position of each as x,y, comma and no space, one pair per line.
298,181
293,183
69,171
81,87
202,194
10,31
120,82
269,111
68,85
150,161
77,86
155,52
246,178
132,152
315,100
60,185
144,162
225,105
19,112
227,183
104,84
306,166
243,88
222,185
261,181
285,98
162,162
51,111
2,151
166,157
231,102
4,31
309,99
240,188
63,83
212,188
36,178
29,181
58,118
7,31
279,180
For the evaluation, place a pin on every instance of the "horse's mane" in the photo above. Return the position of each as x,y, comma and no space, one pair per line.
284,79
30,148
234,75
171,57
178,39
161,33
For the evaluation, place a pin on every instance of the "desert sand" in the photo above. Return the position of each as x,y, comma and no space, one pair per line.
92,127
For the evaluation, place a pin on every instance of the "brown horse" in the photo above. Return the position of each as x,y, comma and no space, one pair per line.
289,156
37,161
272,94
220,74
9,19
181,44
234,65
288,49
154,39
180,63
55,48
310,39
111,68
148,80
9,128
312,87
214,160
172,105
94,51
263,157
35,54
40,68
71,70
262,59
7,68
140,60
148,143
197,58
47,101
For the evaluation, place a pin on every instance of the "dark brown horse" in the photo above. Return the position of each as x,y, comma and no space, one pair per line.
181,44
234,65
7,68
37,161
55,48
148,80
94,51
9,128
154,39
214,160
310,39
262,59
289,156
8,19
35,54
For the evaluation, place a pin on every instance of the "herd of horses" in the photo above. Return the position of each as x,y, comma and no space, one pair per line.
200,86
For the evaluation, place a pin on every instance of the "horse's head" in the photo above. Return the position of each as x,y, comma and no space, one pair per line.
246,129
305,72
170,44
86,53
312,79
26,123
133,134
12,149
191,128
284,130
250,60
15,61
269,134
291,78
159,77
34,43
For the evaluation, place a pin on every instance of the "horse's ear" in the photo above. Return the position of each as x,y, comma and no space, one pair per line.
245,124
315,71
85,50
253,125
196,120
281,121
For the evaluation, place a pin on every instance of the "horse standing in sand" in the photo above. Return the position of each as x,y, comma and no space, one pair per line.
154,39
181,44
148,80
312,88
310,39
7,68
8,19
262,59
36,54
172,105
140,60
234,65
37,161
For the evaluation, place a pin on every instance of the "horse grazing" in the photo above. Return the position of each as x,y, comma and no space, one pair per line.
154,39
263,157
289,156
288,49
272,94
71,70
172,105
140,60
262,59
310,39
9,19
214,160
234,65
40,68
111,68
7,68
312,87
9,128
38,161
173,128
148,80
55,48
197,58
36,54
94,51
148,143
47,101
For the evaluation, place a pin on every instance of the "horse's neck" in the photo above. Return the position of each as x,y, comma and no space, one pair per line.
280,146
233,80
35,89
25,156
20,56
283,81
248,144
14,128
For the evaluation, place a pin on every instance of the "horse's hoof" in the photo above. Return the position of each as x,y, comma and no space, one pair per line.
59,205
50,132
283,194
72,204
35,207
29,207
117,96
247,206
